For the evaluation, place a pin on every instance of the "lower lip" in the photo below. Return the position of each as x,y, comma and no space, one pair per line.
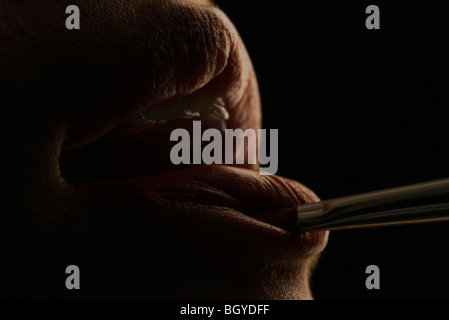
196,201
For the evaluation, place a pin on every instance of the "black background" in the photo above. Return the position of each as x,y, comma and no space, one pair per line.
358,110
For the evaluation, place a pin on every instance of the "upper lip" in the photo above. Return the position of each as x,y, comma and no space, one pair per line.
238,191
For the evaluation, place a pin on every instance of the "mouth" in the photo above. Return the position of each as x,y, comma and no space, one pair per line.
141,145
131,163
125,159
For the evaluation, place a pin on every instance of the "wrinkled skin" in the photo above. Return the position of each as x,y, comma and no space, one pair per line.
186,234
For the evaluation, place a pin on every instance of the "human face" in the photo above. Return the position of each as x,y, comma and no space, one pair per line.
81,191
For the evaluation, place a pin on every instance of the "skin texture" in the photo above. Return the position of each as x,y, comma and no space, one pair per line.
184,234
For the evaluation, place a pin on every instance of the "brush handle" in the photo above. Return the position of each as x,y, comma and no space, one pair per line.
417,203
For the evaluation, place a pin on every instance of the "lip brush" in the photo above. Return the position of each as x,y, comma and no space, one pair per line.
410,204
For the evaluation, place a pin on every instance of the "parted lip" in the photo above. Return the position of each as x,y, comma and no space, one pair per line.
225,196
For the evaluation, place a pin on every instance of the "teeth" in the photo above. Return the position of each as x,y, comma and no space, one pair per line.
197,105
216,115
